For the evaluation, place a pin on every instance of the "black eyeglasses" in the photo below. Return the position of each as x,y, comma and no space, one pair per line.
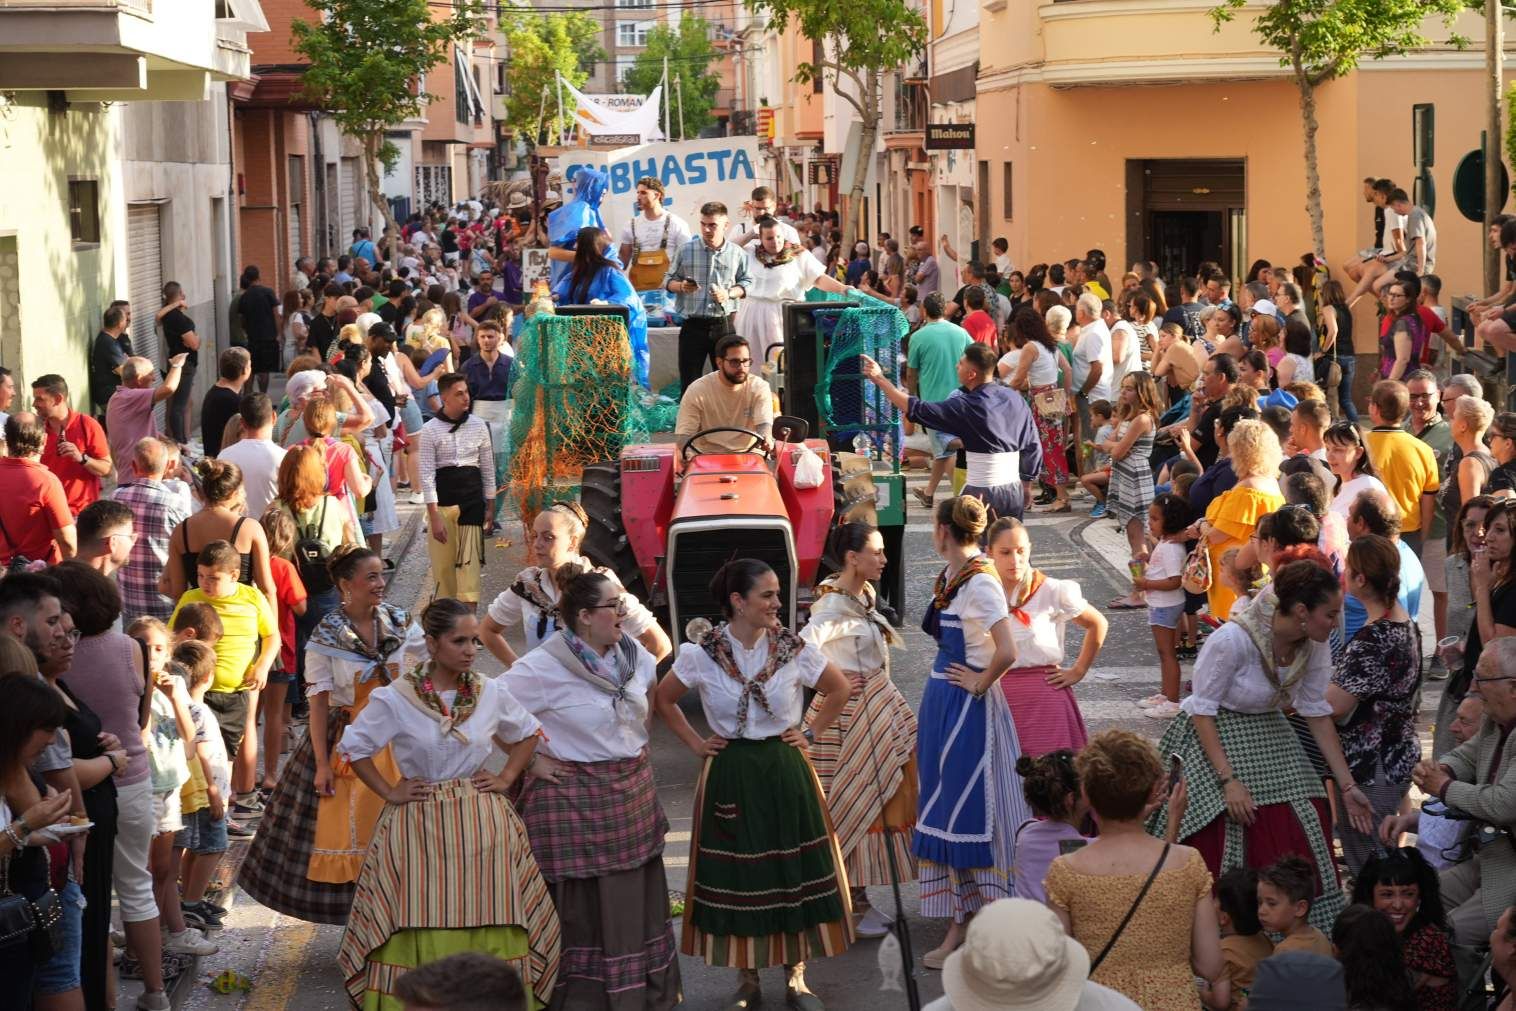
618,604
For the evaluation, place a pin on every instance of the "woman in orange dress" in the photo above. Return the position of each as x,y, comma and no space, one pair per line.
1233,515
1173,934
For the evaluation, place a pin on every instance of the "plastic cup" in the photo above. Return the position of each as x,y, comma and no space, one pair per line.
1450,649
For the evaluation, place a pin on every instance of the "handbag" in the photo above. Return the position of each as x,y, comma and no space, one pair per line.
1120,927
1196,575
23,921
1052,403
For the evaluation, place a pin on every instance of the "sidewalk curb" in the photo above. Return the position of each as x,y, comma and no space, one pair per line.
1106,545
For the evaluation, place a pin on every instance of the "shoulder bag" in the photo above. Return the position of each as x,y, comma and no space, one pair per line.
1195,576
1121,927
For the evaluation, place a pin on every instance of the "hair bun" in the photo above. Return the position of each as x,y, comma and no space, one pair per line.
1024,766
569,571
969,515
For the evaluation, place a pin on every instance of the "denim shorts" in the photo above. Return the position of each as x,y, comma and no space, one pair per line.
1165,617
280,677
202,834
60,974
411,415
940,442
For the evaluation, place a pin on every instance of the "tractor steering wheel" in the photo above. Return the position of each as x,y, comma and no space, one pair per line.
758,441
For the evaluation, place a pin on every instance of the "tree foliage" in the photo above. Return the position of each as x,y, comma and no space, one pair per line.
1321,40
543,46
859,42
690,55
366,64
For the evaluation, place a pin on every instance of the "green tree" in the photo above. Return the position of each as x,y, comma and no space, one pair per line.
543,46
1322,40
690,55
860,41
366,64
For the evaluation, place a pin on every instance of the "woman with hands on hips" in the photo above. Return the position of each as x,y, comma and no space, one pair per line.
447,823
304,860
1039,689
1243,763
971,797
590,684
758,803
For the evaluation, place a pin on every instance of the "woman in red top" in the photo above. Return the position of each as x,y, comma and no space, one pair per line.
289,602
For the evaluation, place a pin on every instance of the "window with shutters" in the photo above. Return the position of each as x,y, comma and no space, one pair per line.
84,212
297,201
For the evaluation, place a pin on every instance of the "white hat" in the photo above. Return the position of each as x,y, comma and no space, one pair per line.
552,198
302,384
1016,956
366,320
1263,307
517,201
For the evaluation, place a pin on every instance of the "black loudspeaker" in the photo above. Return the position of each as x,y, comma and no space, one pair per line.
805,347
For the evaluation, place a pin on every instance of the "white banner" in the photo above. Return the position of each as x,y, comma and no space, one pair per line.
692,172
598,115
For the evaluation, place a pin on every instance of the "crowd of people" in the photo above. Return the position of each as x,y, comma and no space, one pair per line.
168,622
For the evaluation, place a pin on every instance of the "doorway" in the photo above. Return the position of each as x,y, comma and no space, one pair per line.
1182,212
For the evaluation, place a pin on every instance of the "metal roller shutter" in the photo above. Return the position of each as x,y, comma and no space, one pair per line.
145,282
352,180
145,274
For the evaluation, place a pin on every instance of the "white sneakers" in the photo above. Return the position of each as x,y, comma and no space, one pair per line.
1158,707
189,942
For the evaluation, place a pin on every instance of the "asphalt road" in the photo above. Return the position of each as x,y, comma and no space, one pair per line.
293,964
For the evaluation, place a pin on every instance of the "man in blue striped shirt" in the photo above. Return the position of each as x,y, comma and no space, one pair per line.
708,276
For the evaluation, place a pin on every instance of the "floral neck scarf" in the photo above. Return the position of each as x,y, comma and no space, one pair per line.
944,590
786,254
611,673
336,636
425,695
529,588
783,646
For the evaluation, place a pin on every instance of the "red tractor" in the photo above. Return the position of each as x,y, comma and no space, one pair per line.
664,520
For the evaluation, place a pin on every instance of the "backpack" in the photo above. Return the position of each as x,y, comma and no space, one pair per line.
312,554
236,330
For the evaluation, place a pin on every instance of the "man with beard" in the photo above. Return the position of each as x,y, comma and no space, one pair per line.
730,397
648,241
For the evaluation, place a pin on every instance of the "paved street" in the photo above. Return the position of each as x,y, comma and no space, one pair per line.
293,963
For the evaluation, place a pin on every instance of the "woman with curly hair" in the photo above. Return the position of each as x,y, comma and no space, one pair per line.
1405,888
1232,516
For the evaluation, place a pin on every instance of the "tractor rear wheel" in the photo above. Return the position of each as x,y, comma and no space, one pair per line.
605,542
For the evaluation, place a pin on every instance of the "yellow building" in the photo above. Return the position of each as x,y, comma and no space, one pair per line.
1134,126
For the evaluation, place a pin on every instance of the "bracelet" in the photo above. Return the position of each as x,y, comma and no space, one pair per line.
16,838
25,828
1224,780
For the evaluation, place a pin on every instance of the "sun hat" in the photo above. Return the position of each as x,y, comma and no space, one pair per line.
1016,955
302,384
516,202
1263,307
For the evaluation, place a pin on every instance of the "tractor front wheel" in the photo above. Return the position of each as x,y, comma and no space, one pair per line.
605,542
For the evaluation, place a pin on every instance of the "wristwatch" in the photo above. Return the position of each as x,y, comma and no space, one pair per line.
808,734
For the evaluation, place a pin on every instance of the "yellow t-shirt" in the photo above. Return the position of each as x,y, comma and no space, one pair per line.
1408,468
193,795
245,618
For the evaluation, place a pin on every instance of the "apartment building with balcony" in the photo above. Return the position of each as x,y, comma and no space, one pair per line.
1137,127
114,147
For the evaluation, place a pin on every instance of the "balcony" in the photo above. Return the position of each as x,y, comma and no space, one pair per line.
125,50
1147,41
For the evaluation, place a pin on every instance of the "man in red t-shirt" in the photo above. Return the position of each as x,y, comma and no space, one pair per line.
35,521
76,449
978,322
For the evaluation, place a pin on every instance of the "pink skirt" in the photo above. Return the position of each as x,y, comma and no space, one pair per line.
1046,718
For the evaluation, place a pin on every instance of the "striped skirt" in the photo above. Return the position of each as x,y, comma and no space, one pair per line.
456,860
971,800
866,762
1046,718
766,881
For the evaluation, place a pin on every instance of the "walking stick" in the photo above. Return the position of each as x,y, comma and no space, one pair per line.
902,929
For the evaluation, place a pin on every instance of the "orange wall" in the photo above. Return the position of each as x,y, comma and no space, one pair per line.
1069,149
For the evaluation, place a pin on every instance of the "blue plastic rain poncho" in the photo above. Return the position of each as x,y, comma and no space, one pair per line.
609,285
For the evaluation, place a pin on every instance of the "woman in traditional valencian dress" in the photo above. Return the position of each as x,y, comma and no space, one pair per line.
866,761
971,797
1040,689
305,858
531,602
591,807
450,867
766,880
